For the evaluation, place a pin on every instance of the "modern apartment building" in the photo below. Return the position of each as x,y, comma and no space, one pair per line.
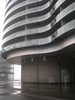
40,35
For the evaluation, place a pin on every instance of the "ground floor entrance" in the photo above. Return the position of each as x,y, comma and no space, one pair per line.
48,69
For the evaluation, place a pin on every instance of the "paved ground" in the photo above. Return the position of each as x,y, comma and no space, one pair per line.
16,97
66,91
26,91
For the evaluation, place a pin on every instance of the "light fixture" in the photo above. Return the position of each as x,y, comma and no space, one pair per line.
32,59
44,58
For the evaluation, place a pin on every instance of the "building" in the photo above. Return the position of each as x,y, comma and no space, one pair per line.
6,70
39,35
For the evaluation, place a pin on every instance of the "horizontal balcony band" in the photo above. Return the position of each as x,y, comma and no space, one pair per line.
32,10
27,12
56,7
37,42
23,4
27,2
41,50
37,18
19,6
28,21
7,1
8,5
60,16
32,31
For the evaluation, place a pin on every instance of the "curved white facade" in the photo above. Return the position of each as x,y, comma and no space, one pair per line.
38,28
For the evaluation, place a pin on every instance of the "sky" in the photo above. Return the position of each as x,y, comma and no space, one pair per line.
2,11
17,72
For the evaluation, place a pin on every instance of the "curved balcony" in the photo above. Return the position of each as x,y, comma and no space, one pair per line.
36,42
27,2
60,16
28,21
34,31
22,5
13,1
7,1
24,12
42,50
29,11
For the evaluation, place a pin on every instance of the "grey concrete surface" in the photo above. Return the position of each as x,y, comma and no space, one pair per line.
27,91
15,97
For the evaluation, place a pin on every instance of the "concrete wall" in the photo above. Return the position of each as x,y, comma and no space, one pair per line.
40,70
48,70
29,71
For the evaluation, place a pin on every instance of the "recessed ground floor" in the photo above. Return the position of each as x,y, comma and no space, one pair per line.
48,69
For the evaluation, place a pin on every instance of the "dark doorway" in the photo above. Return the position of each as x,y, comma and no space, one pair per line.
67,69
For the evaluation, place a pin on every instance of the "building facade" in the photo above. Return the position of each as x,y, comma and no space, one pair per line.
39,35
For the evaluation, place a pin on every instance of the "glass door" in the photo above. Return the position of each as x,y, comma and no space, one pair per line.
65,76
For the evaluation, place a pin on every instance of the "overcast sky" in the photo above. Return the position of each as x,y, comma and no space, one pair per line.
2,10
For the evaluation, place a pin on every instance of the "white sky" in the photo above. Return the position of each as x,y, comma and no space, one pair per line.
17,72
2,11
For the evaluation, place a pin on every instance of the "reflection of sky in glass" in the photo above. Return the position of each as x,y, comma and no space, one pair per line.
17,72
17,85
11,84
16,92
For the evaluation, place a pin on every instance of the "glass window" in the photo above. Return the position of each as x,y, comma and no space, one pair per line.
2,75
